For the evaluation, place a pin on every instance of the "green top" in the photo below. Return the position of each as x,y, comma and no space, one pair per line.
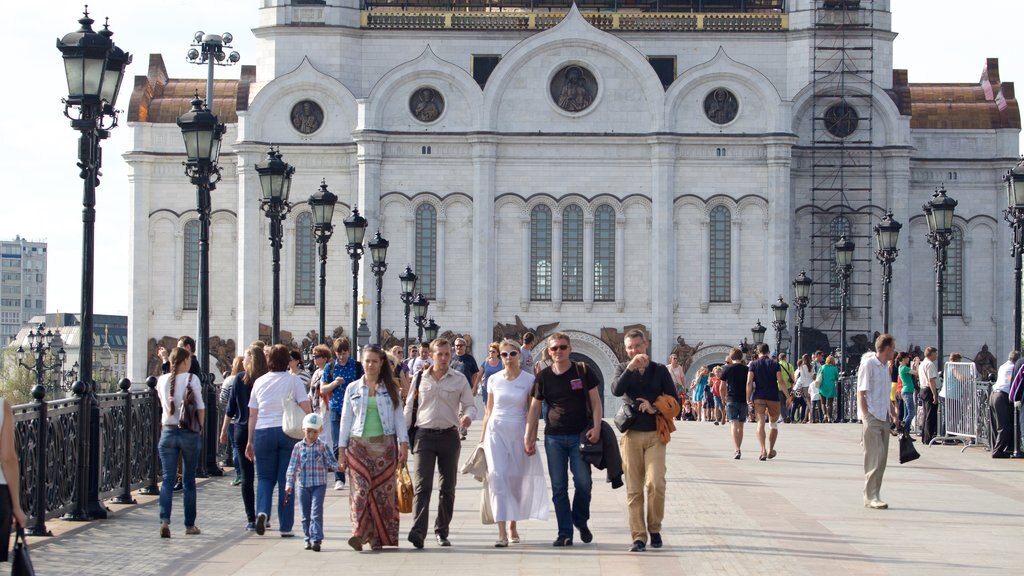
372,426
787,373
907,380
829,375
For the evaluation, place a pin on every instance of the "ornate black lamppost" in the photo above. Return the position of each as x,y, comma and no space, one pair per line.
419,307
779,309
322,205
802,290
276,182
355,229
208,50
757,333
40,345
203,135
408,280
887,234
430,330
379,265
844,267
68,378
94,68
1014,215
939,213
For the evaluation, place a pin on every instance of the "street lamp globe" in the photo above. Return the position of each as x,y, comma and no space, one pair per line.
378,249
321,204
844,252
758,333
1015,186
408,280
887,233
780,308
430,330
420,305
355,227
802,286
113,72
85,60
202,134
942,208
275,177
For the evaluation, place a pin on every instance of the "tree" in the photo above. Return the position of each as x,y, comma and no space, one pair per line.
16,383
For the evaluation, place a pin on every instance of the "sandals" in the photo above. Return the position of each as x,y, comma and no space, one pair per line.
514,539
762,457
501,543
772,454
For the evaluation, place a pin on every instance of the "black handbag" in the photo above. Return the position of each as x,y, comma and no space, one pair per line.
626,415
21,563
415,407
189,417
907,451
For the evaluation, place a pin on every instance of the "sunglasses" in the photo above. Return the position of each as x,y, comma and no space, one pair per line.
509,354
557,347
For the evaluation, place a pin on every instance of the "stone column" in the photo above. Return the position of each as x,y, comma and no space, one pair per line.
897,178
288,267
620,262
139,243
369,157
662,260
485,157
704,269
253,246
779,240
524,245
440,298
737,264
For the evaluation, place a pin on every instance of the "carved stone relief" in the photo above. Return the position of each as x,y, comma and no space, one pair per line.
307,116
573,88
721,106
426,104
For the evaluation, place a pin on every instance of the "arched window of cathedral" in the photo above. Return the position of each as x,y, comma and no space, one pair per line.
953,300
572,254
305,261
190,277
426,250
839,227
540,253
720,255
604,253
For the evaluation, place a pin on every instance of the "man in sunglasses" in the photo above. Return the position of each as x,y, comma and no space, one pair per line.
574,405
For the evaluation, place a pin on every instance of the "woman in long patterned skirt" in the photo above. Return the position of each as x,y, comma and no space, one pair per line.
371,421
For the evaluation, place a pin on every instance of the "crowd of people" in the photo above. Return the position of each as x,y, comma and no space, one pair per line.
365,419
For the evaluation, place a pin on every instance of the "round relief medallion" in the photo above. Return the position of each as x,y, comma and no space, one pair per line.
841,120
426,104
574,88
721,106
307,116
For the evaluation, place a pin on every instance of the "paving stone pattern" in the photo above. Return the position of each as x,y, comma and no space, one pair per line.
801,513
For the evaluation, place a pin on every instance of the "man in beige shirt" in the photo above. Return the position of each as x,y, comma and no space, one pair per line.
440,402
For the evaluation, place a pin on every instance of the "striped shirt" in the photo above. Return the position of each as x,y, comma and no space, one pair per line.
310,463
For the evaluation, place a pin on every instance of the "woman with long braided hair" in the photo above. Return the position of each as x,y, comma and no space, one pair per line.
175,441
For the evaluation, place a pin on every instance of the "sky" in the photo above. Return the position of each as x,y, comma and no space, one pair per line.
939,41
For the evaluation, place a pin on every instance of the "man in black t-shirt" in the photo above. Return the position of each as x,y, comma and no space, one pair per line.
573,406
643,452
734,375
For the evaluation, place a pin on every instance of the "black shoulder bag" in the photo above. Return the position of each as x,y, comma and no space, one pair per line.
188,419
415,407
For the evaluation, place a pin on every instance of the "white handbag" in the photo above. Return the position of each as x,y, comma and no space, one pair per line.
291,423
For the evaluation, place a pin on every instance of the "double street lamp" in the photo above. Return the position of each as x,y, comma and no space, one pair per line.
40,345
887,234
276,182
779,309
355,229
939,213
379,265
408,280
94,68
802,290
321,203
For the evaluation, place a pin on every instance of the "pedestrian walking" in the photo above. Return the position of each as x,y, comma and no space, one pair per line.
338,374
178,442
875,413
928,376
1001,409
766,378
254,364
441,401
738,396
310,461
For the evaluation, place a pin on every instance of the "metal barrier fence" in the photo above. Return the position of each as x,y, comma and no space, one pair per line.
963,407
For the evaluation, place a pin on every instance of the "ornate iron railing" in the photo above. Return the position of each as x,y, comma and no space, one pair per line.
426,19
59,455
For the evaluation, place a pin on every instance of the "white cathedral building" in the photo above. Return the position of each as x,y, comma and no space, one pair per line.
672,164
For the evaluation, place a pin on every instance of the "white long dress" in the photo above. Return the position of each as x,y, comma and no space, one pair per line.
516,481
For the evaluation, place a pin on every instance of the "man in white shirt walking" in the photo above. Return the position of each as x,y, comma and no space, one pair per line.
876,412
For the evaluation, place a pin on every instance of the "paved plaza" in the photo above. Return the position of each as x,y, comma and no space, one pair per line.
951,513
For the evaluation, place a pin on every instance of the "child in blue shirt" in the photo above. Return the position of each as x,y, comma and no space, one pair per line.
311,460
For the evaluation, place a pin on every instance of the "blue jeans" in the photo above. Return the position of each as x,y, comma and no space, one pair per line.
335,432
909,411
273,450
235,454
563,453
172,443
311,498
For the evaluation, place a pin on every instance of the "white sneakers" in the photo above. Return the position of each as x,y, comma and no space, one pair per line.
875,504
339,485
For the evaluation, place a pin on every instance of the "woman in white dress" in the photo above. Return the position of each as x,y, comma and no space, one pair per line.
518,489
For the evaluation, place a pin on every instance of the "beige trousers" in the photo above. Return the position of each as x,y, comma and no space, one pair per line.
643,462
875,436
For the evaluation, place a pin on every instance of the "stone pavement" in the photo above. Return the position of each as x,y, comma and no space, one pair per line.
951,513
